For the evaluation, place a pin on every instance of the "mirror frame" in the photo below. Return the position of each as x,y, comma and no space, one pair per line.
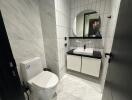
84,26
89,13
97,37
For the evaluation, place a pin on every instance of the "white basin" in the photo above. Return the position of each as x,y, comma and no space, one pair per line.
80,50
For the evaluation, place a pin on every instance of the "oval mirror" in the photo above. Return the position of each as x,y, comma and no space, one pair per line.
87,24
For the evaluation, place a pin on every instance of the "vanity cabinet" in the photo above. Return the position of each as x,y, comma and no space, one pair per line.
82,64
74,62
91,66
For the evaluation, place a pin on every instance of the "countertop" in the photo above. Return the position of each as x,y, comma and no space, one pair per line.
96,54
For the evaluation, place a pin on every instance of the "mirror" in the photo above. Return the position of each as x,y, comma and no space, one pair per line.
87,24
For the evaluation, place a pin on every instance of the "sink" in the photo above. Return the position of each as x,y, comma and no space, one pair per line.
80,50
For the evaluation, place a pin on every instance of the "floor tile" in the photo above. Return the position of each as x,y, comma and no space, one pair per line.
75,88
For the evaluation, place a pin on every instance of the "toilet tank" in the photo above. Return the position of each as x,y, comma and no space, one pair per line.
30,68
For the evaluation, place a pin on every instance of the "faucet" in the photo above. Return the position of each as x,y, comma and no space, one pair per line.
84,46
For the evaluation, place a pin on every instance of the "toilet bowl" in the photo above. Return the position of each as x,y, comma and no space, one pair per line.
42,83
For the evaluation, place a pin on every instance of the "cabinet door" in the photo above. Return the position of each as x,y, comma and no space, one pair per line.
74,62
91,66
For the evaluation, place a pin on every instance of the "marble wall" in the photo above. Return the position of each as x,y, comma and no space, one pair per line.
115,5
62,12
91,43
23,25
47,13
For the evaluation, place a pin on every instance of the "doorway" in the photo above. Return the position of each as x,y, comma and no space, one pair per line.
10,86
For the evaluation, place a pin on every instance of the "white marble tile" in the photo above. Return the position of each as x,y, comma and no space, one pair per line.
74,88
47,13
112,25
115,5
93,43
62,11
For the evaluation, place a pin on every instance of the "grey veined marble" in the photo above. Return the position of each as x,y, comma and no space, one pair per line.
74,88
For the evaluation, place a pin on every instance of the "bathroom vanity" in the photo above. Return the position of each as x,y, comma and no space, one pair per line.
87,64
86,31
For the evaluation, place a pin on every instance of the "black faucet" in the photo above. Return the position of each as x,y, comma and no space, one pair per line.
84,46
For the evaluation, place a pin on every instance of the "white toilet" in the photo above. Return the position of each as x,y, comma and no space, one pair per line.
42,83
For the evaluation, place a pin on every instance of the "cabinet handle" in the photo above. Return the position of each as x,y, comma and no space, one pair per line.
110,55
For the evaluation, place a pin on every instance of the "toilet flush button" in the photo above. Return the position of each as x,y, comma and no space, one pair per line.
28,66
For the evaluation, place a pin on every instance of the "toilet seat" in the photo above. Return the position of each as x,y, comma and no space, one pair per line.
44,80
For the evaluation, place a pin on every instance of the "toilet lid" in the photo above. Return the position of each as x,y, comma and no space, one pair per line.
44,80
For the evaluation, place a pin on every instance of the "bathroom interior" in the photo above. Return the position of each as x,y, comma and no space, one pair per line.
59,46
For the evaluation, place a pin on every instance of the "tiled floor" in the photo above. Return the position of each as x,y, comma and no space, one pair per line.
74,88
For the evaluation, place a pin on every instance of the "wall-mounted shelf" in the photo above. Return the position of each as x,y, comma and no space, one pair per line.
85,37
